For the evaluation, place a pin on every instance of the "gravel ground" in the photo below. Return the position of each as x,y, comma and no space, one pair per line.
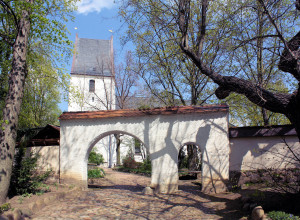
119,196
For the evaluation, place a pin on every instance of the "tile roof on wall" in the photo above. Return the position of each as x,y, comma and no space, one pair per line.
143,112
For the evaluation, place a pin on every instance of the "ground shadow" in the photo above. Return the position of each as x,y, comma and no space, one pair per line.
231,209
132,188
272,200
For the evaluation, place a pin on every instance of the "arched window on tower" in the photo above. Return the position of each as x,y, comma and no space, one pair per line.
92,86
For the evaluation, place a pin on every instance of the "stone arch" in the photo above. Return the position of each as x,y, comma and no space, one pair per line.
162,131
94,141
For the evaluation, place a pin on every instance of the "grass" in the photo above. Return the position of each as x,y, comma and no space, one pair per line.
140,171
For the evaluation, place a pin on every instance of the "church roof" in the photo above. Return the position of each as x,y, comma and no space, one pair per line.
92,57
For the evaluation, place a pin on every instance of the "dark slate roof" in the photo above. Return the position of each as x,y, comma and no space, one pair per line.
48,136
92,57
49,131
260,131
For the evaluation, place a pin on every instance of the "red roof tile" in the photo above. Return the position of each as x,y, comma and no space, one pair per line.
143,112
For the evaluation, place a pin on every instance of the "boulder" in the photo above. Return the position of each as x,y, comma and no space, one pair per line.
257,213
148,190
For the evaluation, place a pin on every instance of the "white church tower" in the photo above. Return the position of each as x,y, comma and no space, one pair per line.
92,84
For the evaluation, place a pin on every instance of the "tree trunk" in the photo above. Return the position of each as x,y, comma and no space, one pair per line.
13,104
181,156
118,151
265,117
193,161
260,64
293,114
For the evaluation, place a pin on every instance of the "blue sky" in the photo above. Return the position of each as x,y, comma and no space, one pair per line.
94,19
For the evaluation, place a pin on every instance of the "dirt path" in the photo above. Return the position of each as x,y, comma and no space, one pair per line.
120,197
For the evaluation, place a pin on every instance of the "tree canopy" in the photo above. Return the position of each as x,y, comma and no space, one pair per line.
167,72
230,80
24,23
236,44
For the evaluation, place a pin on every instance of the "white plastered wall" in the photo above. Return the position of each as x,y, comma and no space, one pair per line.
163,136
252,153
80,99
49,157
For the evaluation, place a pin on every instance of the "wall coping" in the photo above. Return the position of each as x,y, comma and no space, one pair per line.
144,112
261,131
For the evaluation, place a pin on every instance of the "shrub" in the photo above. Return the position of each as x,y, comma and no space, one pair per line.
184,163
130,165
278,215
4,207
129,162
146,165
25,179
96,158
96,173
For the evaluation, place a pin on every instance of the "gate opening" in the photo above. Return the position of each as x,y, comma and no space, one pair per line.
190,163
117,151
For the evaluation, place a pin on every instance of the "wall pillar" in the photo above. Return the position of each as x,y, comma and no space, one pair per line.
73,165
164,176
215,172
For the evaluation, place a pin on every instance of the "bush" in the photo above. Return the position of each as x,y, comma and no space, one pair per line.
96,173
129,162
130,165
96,158
4,207
146,165
184,163
25,178
278,215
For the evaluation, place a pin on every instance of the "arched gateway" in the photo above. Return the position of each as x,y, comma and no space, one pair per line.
162,130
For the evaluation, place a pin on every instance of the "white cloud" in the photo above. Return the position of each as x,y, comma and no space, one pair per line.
87,6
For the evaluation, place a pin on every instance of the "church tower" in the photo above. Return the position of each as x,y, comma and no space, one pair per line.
92,84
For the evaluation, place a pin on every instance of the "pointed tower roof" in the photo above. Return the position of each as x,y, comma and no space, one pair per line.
92,57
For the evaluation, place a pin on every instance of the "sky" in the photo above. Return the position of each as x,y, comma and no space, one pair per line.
95,19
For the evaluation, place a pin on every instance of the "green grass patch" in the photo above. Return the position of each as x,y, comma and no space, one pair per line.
96,173
134,170
278,215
